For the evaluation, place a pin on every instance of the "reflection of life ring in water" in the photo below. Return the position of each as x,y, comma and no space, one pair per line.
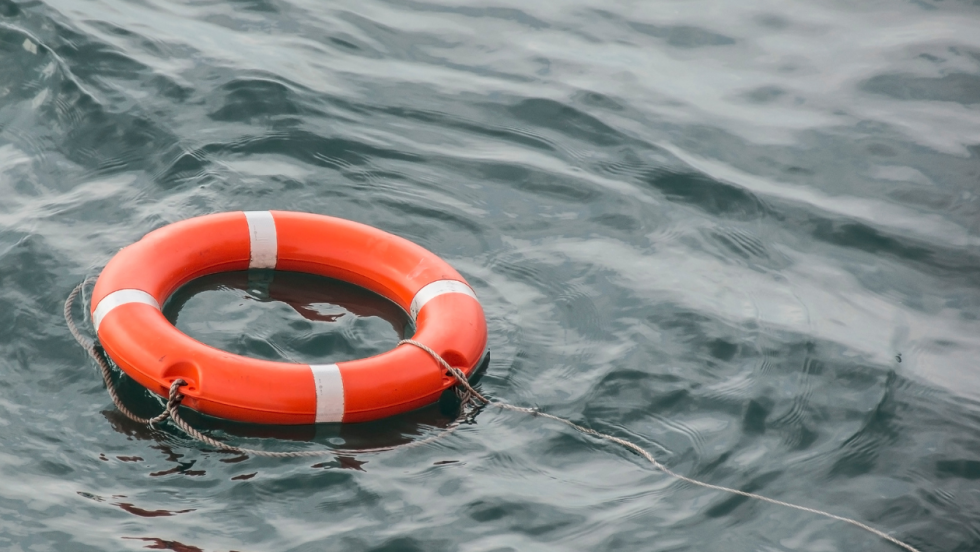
132,329
219,297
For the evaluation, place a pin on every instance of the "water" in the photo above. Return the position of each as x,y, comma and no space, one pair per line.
742,234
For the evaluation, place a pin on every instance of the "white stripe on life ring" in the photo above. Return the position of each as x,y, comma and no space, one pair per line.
435,289
264,247
121,297
329,393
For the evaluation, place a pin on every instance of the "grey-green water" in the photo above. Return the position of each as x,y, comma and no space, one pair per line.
742,234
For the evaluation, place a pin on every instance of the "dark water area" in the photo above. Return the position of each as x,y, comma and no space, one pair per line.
743,235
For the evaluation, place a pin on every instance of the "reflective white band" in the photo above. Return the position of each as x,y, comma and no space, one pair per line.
435,289
329,392
121,297
263,243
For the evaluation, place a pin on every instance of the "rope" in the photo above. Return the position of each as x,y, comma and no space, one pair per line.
174,401
97,353
175,397
471,401
475,396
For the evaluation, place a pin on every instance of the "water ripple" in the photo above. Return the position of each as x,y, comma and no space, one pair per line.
742,235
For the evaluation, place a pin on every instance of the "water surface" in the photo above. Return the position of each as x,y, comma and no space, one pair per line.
742,234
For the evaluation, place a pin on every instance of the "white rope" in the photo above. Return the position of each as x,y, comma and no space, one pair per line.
462,382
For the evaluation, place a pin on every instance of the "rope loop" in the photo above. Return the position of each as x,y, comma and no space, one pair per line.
471,401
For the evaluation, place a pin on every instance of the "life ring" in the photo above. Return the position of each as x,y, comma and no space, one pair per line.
131,327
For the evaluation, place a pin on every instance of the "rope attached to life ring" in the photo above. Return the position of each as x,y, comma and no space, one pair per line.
174,399
471,401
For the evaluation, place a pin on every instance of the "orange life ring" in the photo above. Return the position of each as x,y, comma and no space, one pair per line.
133,331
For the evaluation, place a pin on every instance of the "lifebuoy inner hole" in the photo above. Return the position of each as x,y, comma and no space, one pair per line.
287,316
